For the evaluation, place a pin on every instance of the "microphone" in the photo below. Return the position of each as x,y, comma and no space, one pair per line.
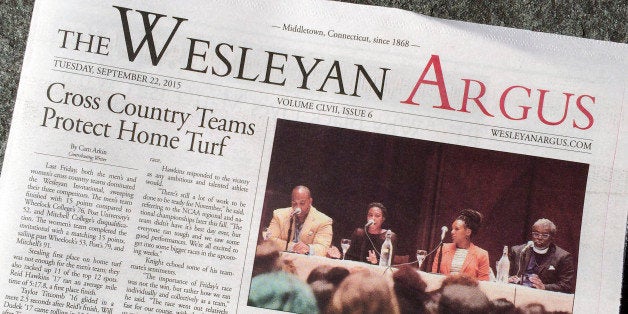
443,231
528,245
296,211
370,222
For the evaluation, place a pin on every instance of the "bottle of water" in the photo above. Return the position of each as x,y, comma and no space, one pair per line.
386,253
503,267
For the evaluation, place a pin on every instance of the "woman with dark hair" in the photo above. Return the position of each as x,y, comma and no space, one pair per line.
462,256
366,243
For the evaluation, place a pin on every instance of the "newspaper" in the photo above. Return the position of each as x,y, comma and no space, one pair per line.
151,143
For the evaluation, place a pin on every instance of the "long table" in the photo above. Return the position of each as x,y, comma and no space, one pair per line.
519,295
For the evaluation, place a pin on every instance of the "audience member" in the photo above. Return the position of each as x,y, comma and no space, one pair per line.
324,280
503,306
364,292
266,259
281,291
323,291
464,300
410,290
460,279
532,308
287,264
432,303
334,275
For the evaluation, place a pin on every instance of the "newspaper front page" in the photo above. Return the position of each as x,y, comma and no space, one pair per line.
153,146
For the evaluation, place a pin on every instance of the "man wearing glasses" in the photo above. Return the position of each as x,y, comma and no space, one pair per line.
542,265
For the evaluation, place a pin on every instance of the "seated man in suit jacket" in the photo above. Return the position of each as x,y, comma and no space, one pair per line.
301,228
542,265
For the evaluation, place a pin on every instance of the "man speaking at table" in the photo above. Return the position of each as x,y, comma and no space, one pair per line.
542,264
301,228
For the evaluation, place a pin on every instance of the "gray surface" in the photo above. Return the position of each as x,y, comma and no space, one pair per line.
14,22
603,20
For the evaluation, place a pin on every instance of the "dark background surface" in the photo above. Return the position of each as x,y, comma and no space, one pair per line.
601,20
424,185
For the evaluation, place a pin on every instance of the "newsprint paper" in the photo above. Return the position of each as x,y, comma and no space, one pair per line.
152,142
